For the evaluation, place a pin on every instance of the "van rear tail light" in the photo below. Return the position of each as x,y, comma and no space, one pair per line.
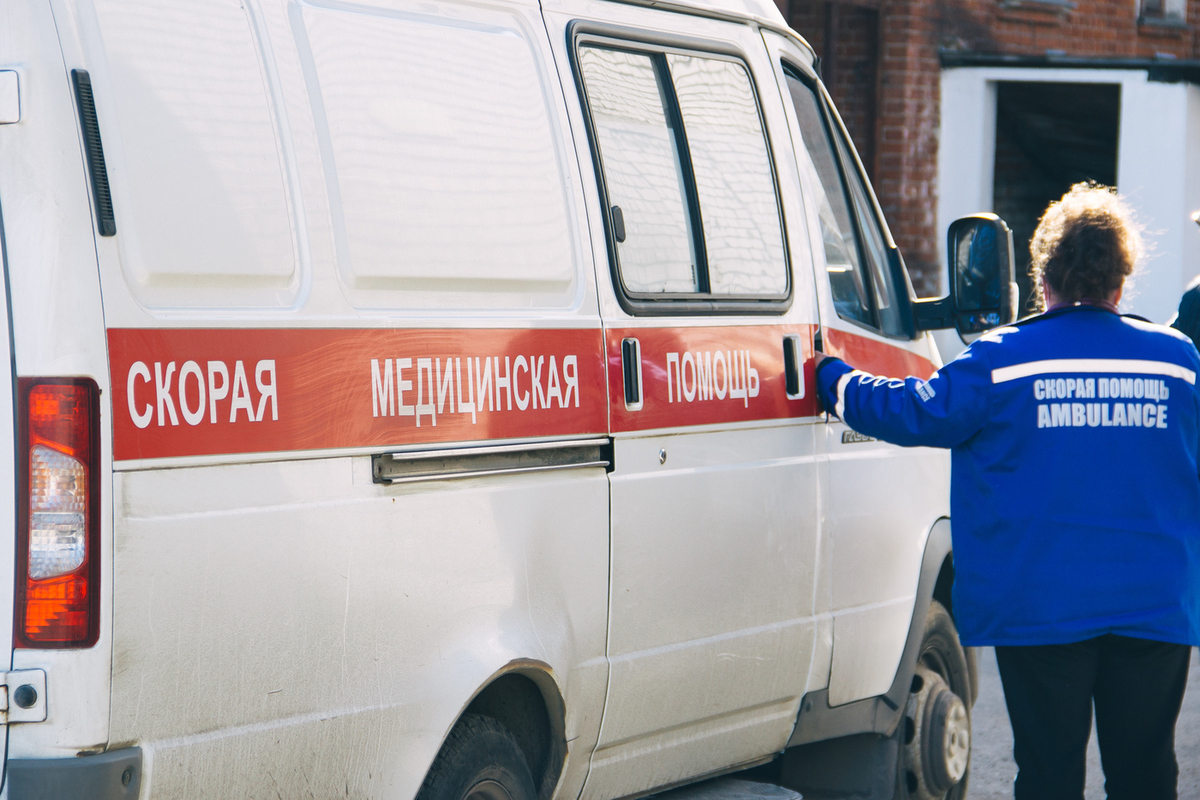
58,559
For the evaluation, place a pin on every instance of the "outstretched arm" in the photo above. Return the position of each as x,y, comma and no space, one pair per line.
943,411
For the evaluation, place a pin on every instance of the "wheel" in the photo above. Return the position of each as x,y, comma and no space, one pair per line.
479,761
935,738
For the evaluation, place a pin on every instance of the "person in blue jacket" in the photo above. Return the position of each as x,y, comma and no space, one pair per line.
1075,502
1187,319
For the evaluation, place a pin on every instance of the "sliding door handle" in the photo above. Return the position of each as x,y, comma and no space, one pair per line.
631,372
793,367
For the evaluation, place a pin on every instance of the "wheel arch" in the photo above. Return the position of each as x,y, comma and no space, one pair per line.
852,748
524,697
818,721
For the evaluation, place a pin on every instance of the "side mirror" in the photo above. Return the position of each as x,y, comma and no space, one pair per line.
982,279
982,274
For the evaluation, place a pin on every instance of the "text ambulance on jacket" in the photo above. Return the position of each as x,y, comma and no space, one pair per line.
1075,496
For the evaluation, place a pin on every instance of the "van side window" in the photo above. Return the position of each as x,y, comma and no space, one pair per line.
855,250
692,209
743,240
646,190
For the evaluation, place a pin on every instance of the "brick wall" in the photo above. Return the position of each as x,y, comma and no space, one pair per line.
899,141
851,70
907,177
1107,28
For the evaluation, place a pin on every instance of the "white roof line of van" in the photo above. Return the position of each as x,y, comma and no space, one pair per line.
728,15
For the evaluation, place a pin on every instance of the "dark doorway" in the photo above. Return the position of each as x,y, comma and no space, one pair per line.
1048,137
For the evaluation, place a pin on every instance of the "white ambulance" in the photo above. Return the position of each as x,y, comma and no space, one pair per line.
414,398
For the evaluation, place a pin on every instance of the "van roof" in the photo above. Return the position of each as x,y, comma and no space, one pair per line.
763,11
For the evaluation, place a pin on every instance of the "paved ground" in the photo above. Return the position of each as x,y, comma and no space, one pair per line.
992,767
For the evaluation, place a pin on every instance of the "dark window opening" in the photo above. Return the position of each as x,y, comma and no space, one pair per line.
1172,10
1049,136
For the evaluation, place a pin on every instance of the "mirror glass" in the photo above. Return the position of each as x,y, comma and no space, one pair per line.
977,269
981,249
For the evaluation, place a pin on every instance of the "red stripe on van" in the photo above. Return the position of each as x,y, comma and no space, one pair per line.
311,389
875,357
709,375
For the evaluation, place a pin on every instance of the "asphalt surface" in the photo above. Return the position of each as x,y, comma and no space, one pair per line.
992,766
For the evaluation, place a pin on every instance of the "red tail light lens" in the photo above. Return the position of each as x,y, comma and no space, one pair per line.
58,559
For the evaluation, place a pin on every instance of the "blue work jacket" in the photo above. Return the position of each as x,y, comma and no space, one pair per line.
1074,491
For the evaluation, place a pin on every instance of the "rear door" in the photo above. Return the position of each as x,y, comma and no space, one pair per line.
51,335
714,487
881,500
8,511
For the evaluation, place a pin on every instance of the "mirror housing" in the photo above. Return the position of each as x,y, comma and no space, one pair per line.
982,279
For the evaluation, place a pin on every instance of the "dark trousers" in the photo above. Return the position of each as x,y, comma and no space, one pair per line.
1137,688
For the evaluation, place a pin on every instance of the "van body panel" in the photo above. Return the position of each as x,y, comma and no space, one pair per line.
806,277
880,357
8,459
352,612
57,326
883,497
201,198
706,681
714,465
318,600
886,499
327,199
400,239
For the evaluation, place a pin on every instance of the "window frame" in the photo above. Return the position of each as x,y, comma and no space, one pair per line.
582,33
893,270
1170,11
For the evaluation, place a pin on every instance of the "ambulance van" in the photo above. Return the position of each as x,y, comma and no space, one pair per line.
414,398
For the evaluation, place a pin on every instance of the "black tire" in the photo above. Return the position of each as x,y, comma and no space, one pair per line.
941,653
479,761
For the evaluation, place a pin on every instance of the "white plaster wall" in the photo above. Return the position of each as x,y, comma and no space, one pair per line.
1158,167
1152,175
1190,254
966,166
966,151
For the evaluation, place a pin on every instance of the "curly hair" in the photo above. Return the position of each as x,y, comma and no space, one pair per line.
1085,245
